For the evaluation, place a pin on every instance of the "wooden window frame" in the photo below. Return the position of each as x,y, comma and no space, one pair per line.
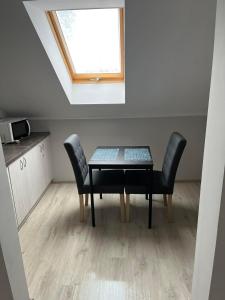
85,78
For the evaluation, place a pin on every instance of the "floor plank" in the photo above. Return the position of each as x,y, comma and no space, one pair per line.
67,260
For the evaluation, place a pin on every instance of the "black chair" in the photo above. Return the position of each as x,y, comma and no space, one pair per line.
104,182
137,181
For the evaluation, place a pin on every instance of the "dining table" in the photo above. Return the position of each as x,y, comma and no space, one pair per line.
124,158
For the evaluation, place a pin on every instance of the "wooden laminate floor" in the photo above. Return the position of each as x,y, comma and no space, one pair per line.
67,260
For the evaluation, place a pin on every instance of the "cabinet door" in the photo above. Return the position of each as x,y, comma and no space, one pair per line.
41,168
20,190
29,177
10,186
32,171
38,170
47,166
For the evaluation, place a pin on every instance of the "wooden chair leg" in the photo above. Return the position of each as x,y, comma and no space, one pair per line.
165,199
86,199
127,207
81,208
122,208
169,208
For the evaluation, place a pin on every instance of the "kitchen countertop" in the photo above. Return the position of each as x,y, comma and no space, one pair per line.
14,151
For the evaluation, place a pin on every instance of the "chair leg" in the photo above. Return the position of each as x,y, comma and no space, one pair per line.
86,199
100,195
169,208
127,207
165,199
122,207
81,208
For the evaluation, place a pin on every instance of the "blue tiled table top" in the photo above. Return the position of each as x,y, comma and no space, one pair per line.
137,154
105,154
122,153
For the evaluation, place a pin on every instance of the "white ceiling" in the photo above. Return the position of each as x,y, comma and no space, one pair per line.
169,48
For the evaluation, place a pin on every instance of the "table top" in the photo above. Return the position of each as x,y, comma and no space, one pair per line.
126,157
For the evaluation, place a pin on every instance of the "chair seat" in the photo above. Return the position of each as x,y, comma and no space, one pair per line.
138,182
105,182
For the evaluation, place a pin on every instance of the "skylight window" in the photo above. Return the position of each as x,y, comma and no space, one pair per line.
91,42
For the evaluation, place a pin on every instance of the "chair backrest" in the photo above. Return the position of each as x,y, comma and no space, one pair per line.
172,158
77,159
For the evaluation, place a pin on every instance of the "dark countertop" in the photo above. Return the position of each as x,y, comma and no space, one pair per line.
14,151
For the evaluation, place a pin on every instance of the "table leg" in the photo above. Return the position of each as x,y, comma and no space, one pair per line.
146,195
100,195
92,198
150,200
150,212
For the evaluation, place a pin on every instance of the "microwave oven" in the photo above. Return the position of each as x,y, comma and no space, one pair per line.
13,130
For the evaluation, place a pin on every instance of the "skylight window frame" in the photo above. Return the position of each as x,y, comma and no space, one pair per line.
92,77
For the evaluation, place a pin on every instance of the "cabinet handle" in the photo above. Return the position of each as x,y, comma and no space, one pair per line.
21,165
24,162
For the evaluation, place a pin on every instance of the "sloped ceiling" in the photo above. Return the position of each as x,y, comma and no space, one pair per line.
169,47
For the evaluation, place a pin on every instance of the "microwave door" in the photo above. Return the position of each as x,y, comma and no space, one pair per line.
20,130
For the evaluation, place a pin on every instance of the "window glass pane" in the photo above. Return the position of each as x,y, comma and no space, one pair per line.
93,39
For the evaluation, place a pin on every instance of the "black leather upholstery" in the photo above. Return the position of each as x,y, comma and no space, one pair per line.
106,182
137,182
109,181
77,159
172,158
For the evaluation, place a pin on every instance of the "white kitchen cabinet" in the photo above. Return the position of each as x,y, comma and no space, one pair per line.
11,193
32,161
20,189
45,170
29,177
47,161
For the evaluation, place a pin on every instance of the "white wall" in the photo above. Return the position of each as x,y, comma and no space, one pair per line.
168,63
112,93
210,247
152,131
2,113
217,289
9,240
5,288
168,66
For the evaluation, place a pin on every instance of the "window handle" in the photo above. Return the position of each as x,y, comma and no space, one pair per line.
95,79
